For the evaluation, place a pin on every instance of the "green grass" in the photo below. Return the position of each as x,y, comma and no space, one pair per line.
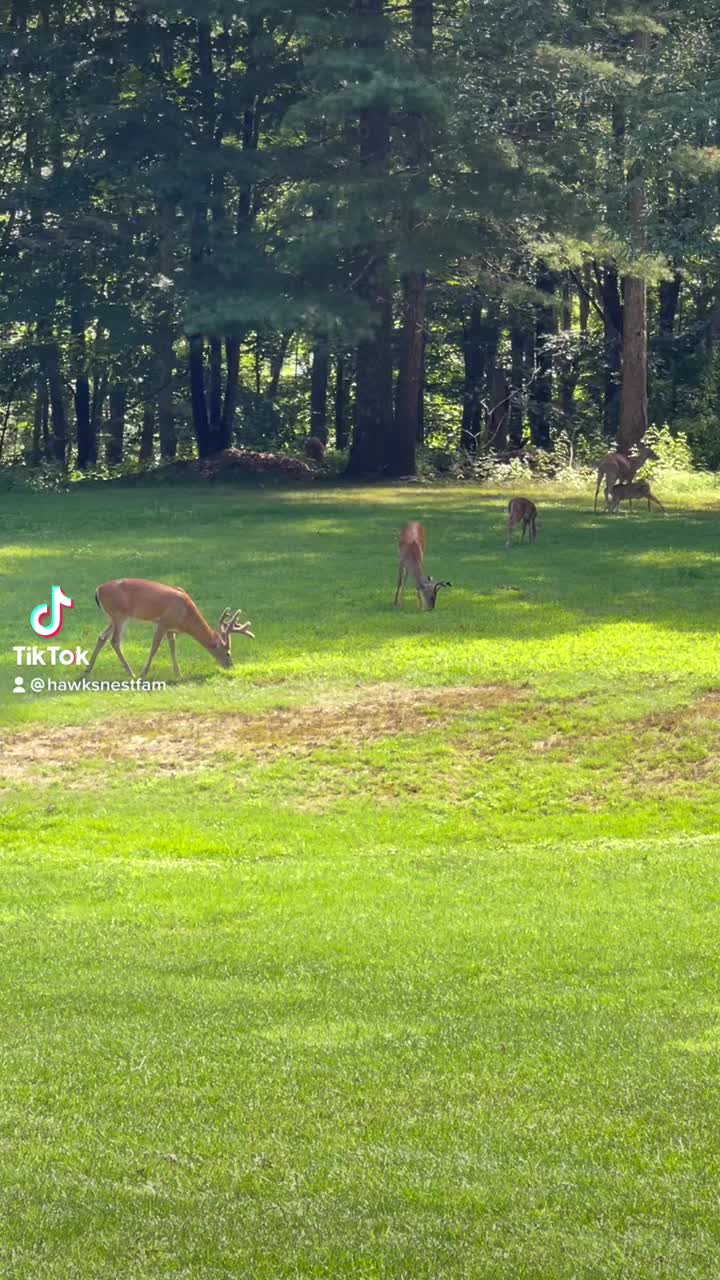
393,952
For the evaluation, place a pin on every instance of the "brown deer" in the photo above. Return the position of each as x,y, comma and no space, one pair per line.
522,509
626,493
412,555
315,449
618,467
173,613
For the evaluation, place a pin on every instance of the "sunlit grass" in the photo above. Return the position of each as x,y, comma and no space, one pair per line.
392,952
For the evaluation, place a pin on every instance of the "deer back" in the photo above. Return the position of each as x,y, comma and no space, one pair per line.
412,544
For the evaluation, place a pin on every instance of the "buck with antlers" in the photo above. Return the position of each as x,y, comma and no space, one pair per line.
412,555
618,467
173,613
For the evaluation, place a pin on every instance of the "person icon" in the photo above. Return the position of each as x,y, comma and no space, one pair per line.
19,685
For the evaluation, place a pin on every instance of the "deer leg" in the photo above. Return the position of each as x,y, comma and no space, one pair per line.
171,647
659,504
160,633
533,531
116,642
102,641
400,585
510,529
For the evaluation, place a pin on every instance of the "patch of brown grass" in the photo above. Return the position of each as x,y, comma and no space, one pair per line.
185,742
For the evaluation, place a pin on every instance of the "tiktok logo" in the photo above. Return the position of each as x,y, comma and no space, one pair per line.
47,619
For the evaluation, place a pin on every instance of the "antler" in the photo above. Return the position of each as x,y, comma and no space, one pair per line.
229,625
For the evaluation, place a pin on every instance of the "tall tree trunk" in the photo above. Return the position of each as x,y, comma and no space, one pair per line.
207,439
318,390
374,368
164,370
341,424
276,366
474,363
517,378
232,385
40,413
245,214
613,323
215,396
584,295
541,391
84,426
201,424
499,412
669,298
421,391
407,427
50,368
634,392
147,435
633,399
116,424
570,370
400,454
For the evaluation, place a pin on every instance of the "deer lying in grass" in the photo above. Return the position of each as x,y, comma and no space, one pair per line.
522,509
412,555
618,467
626,493
173,613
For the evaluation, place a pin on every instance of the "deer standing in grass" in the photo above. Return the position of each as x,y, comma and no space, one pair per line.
412,555
522,509
618,467
626,493
173,613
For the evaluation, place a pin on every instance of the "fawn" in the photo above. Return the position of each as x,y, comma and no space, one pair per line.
618,467
522,509
626,493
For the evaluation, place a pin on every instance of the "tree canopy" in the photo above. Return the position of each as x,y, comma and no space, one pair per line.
382,224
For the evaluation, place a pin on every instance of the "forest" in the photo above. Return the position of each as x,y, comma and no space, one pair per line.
403,227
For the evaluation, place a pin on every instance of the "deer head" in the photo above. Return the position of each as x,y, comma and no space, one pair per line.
229,626
429,591
646,454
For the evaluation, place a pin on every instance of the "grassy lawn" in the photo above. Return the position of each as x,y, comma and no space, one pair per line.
393,952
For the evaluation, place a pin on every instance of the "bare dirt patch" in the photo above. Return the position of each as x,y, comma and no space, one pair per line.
183,743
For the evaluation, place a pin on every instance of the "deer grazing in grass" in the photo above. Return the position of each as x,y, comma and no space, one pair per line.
173,613
626,493
522,509
618,467
412,555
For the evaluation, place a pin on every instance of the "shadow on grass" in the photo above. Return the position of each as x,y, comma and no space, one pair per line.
315,571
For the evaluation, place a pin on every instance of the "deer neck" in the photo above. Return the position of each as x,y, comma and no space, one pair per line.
200,630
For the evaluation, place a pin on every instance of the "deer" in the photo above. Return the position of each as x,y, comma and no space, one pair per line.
626,493
522,509
412,555
315,449
173,613
617,466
